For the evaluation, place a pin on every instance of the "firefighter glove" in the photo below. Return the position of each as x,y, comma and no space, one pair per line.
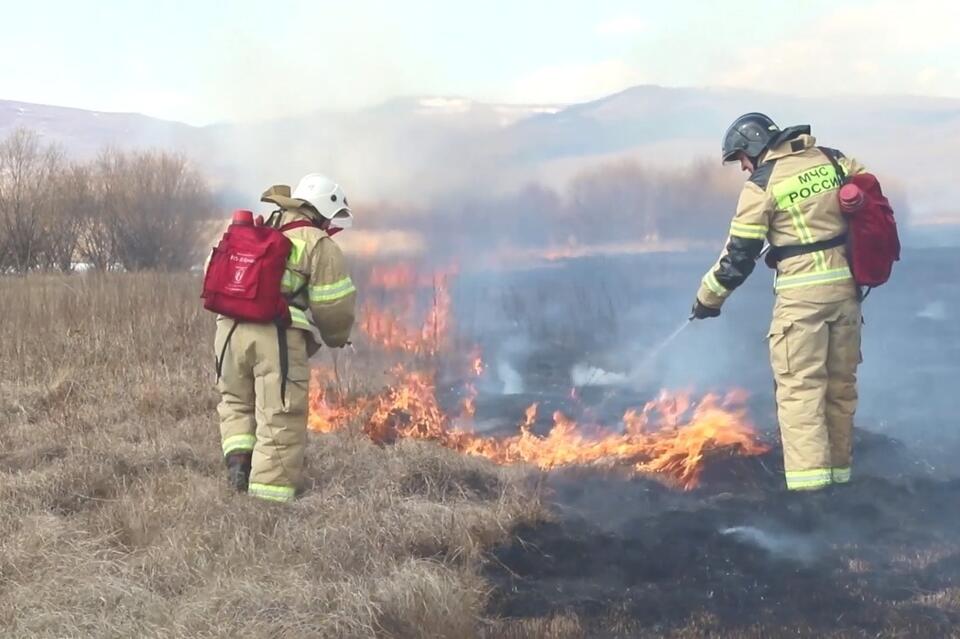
701,311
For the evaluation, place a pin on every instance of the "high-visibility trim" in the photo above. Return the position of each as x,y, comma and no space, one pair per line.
748,231
815,181
332,292
272,493
813,279
298,248
808,479
292,281
710,281
806,237
242,443
298,319
820,261
841,475
800,225
789,193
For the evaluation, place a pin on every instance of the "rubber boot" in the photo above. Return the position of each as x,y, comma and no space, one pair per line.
238,470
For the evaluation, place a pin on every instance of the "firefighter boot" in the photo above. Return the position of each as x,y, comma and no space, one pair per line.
238,470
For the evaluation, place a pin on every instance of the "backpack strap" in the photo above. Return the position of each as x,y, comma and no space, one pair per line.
298,224
284,361
274,220
778,253
836,165
293,295
223,351
289,227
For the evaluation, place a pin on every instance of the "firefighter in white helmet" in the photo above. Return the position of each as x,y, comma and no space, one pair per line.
263,423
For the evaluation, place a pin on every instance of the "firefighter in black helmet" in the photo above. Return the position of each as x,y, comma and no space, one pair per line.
790,201
750,134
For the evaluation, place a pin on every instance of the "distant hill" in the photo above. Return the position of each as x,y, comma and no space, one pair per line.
83,133
415,148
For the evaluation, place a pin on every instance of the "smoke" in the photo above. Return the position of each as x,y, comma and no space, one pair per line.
586,375
780,544
600,323
935,310
510,355
600,299
511,379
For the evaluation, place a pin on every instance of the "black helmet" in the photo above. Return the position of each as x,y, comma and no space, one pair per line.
750,133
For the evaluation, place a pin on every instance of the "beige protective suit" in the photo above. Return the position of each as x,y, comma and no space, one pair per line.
791,199
259,414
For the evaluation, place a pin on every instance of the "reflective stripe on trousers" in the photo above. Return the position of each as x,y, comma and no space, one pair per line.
242,443
817,478
841,475
272,493
808,479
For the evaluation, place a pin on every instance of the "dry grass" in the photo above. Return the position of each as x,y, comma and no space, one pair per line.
116,522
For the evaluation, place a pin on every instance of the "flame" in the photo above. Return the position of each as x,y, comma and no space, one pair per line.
670,436
477,365
377,244
469,405
388,318
327,413
401,276
675,450
529,417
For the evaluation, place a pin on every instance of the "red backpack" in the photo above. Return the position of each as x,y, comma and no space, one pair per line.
873,244
244,276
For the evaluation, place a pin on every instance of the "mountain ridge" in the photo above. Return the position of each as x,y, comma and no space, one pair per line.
436,144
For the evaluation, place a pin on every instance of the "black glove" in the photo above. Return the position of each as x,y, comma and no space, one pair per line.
703,312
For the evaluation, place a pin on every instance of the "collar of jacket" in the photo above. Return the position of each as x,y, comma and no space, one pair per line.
794,140
297,213
279,194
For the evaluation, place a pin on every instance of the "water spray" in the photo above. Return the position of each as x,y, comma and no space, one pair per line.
647,359
658,348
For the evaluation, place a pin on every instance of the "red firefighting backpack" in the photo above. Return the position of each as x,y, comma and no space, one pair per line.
244,280
873,244
871,240
244,276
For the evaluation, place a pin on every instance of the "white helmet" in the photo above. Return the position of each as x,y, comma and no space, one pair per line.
326,197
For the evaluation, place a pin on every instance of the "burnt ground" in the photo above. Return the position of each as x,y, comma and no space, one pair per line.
740,556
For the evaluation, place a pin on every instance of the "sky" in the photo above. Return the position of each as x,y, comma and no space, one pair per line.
208,61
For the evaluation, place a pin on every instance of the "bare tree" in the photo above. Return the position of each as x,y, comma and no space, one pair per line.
156,202
149,208
27,172
697,202
605,202
112,195
70,201
128,210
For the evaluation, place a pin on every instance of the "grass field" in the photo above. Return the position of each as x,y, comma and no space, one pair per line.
115,520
